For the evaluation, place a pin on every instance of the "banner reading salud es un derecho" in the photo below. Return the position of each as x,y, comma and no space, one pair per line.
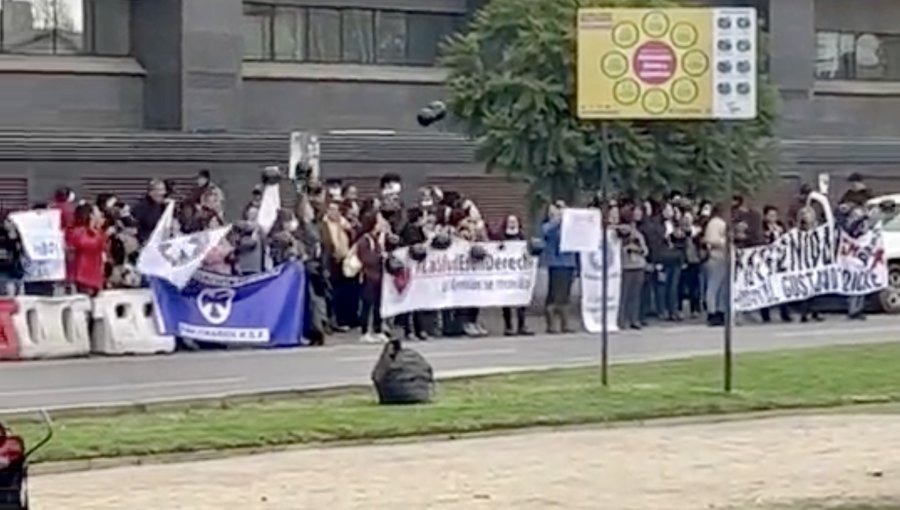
262,310
451,279
803,264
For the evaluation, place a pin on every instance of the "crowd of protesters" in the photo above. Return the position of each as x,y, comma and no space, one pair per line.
674,261
673,250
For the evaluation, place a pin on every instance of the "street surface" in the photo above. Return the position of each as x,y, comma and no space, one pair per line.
101,381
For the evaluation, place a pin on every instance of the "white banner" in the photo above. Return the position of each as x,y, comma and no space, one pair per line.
43,243
580,230
451,279
592,286
804,264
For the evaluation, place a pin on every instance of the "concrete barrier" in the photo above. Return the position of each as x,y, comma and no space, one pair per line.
52,327
125,323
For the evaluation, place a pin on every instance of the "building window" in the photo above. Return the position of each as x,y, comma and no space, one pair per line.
857,56
391,37
324,35
289,34
359,36
65,27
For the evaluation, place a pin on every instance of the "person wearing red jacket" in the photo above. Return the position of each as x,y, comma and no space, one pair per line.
86,242
64,200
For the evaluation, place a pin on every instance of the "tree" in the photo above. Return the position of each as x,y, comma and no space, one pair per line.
512,88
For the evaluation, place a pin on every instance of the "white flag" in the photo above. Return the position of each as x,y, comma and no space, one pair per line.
268,207
176,259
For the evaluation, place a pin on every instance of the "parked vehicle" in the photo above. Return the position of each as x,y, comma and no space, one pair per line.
889,299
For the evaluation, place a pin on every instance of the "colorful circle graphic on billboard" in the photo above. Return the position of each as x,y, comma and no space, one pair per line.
655,63
614,64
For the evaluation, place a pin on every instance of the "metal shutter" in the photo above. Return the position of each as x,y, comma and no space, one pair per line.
496,196
13,193
131,189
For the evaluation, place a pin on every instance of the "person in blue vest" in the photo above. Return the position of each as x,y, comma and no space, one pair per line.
561,270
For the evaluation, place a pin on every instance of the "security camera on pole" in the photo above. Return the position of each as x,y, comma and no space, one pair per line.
667,64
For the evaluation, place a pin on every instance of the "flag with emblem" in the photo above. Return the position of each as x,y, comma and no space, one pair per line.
176,259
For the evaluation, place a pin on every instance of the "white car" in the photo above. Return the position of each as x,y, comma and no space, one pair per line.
889,299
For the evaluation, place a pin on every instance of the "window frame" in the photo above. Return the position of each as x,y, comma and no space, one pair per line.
456,21
88,34
853,70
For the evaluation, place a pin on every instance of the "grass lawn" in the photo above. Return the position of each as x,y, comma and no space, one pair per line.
793,379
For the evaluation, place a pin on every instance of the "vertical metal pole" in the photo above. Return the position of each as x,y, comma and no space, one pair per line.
604,296
729,257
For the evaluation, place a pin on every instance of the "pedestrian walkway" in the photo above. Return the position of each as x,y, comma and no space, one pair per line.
683,467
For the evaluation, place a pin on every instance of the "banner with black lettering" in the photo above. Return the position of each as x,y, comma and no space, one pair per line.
805,264
452,279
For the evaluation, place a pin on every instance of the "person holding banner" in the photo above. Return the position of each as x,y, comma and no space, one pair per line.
511,230
773,228
807,221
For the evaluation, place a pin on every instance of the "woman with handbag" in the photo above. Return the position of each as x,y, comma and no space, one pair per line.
337,234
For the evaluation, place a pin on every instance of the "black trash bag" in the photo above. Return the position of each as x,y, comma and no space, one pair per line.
418,252
402,376
441,241
477,252
536,246
393,265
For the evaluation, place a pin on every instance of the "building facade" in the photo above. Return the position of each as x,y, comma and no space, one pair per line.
214,69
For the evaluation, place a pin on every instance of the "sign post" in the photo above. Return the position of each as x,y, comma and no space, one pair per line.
666,64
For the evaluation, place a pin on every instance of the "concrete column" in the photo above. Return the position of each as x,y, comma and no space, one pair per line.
192,51
792,50
212,55
793,43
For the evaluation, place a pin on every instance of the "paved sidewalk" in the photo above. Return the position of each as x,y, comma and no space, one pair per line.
683,467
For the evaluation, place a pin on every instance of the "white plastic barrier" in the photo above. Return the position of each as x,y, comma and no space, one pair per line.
53,327
125,323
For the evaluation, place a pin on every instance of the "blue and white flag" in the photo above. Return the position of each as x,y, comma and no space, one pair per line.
262,310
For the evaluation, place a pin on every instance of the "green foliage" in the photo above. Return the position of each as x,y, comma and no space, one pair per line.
512,88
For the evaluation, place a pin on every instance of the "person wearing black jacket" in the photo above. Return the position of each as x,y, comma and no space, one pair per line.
653,301
11,270
672,257
512,231
419,322
149,210
772,229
